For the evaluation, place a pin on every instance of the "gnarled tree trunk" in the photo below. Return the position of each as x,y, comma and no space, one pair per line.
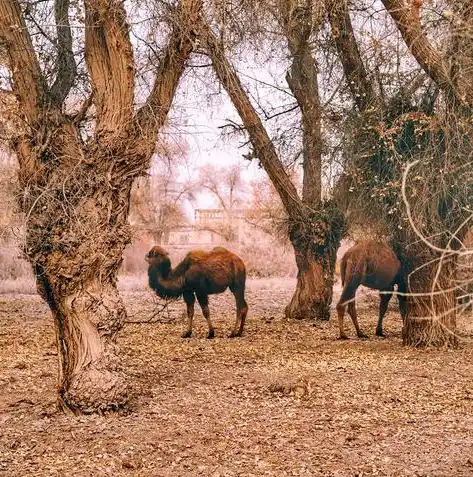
76,231
76,247
87,318
431,315
315,241
76,194
313,295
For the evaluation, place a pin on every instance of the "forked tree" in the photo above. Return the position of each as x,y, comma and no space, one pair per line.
76,191
315,226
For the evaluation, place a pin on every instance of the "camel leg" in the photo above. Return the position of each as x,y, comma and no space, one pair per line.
383,307
241,311
354,318
341,313
189,298
402,300
204,304
348,295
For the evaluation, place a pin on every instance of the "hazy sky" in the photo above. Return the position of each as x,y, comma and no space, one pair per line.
197,119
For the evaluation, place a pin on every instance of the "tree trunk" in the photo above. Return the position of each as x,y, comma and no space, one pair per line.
76,195
313,295
431,317
76,201
87,320
76,247
316,240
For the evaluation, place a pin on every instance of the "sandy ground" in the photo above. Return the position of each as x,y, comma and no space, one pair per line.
287,399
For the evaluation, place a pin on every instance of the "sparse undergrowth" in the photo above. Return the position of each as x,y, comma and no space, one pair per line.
286,399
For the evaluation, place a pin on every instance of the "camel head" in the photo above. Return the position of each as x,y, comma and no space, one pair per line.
158,259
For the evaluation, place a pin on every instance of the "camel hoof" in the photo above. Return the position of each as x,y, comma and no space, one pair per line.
380,334
343,337
234,335
363,336
187,334
211,334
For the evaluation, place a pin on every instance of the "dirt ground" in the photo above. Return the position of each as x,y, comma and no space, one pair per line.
287,399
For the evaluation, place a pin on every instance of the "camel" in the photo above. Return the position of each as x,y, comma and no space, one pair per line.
374,265
199,275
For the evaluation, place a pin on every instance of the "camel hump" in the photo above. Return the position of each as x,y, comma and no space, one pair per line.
232,256
371,263
220,250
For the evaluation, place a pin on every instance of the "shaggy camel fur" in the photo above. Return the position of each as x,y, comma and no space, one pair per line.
374,265
199,275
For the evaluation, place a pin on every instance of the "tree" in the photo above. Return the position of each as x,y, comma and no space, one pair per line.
76,191
446,151
423,125
227,188
315,226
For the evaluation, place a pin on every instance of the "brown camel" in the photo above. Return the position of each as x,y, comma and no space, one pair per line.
374,265
199,275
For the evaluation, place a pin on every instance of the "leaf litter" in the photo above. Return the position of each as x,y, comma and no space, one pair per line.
286,399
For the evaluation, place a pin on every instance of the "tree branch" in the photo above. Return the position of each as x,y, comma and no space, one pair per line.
302,80
66,68
28,81
356,76
408,22
264,148
109,59
152,114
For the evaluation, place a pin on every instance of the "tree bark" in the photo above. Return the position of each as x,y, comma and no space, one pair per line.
76,231
76,196
431,317
88,316
315,275
407,19
297,21
362,90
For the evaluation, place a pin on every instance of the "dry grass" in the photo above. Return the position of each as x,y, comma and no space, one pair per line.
263,261
287,399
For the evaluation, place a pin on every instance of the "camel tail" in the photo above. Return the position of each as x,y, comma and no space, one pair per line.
352,276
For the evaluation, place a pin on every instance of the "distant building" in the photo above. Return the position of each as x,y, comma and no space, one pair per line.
214,226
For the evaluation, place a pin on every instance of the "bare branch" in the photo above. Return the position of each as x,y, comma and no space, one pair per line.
152,115
264,148
429,58
357,78
109,60
28,81
66,68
